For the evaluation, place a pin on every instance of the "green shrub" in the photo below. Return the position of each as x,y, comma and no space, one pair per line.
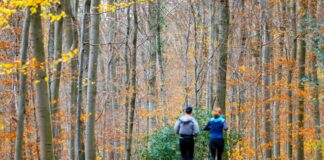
164,144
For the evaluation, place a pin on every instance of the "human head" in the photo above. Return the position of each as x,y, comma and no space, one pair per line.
217,112
188,110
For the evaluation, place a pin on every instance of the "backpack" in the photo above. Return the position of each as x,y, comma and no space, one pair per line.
186,128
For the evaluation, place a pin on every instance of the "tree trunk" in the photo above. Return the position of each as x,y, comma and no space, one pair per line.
112,77
315,81
160,58
22,88
127,85
186,61
211,55
266,60
222,59
242,55
50,49
152,95
71,43
290,77
79,154
55,88
132,86
301,77
90,142
42,101
277,125
222,49
57,70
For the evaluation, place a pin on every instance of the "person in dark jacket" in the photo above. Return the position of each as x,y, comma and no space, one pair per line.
187,128
216,125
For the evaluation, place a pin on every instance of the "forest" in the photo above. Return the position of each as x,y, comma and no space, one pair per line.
108,79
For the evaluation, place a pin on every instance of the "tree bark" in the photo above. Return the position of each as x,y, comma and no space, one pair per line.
301,79
277,125
266,60
55,88
315,81
153,48
211,55
79,154
132,85
160,58
290,77
222,49
22,88
71,42
127,85
42,101
112,77
90,142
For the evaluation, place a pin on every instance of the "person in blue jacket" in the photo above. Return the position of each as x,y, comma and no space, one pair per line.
216,125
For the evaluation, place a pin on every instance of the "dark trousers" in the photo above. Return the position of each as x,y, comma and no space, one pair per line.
187,148
216,146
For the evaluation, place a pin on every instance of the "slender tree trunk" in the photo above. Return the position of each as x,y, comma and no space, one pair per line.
256,112
57,70
211,55
22,88
159,27
71,42
152,89
50,49
132,86
277,125
112,73
242,55
266,55
290,77
55,88
127,85
301,77
314,66
79,154
90,142
224,15
42,101
222,49
186,61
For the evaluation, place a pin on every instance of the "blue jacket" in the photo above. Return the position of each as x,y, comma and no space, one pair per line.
216,126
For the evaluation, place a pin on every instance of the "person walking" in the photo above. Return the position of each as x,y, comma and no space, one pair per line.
216,125
187,128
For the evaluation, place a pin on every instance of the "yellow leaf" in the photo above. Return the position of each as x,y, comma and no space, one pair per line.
2,127
36,81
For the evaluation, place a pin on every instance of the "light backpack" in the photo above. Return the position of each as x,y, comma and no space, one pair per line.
186,126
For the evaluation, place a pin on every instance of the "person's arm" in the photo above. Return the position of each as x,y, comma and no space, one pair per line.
177,127
207,126
196,127
225,126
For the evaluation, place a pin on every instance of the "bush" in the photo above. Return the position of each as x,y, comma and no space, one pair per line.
164,144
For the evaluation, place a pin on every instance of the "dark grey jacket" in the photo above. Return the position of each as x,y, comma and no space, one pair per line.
186,125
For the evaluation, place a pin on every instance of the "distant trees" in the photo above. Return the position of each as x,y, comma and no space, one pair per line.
139,62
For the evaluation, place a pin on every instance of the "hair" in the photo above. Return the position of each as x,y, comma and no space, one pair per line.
217,112
188,110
